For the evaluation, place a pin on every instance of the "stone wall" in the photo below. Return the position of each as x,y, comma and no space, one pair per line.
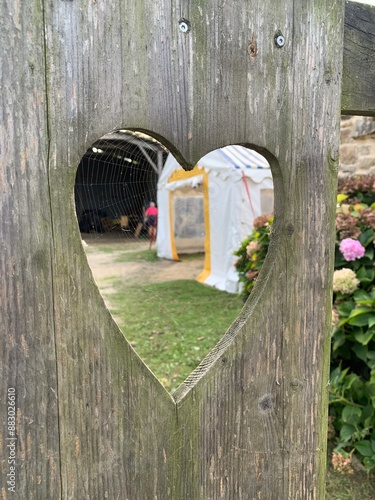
357,149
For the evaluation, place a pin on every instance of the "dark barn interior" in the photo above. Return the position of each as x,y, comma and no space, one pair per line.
117,177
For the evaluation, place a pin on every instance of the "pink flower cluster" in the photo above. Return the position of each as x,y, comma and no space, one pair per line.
342,463
351,249
252,248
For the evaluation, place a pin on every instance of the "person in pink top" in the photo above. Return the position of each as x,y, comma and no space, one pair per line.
151,216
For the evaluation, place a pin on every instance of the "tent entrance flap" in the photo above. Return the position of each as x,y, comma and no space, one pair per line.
266,201
188,231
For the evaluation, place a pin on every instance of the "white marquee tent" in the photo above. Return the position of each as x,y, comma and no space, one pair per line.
212,208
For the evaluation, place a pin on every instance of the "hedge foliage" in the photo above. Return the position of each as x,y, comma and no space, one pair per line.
352,377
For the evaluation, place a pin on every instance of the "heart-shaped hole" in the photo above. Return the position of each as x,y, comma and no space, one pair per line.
172,288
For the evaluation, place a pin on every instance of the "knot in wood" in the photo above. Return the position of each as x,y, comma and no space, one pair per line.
266,403
296,385
328,76
290,229
252,48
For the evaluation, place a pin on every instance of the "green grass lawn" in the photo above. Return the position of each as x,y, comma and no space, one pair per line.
141,256
172,325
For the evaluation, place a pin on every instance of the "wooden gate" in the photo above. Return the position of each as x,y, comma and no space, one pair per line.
82,417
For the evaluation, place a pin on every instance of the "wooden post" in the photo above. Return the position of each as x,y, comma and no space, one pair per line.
27,351
92,421
358,89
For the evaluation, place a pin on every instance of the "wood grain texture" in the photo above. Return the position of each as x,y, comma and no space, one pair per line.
358,88
250,421
27,352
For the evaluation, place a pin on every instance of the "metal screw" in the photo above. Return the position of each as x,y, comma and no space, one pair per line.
184,25
279,40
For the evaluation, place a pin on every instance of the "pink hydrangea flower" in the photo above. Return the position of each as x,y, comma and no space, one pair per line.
342,463
252,248
351,249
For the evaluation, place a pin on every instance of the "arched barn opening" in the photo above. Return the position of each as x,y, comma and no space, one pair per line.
116,180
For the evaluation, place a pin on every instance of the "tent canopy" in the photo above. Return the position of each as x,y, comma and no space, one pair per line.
212,208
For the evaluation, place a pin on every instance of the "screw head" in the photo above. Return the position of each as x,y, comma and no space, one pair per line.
279,40
184,25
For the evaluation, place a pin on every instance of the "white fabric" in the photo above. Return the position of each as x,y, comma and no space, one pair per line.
163,240
231,213
190,182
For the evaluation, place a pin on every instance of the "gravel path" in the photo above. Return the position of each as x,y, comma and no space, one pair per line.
103,264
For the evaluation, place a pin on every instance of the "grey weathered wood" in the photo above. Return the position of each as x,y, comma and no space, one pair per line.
250,421
27,341
358,88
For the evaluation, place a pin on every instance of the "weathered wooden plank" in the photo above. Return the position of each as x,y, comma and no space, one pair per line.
267,423
358,87
248,423
27,352
112,409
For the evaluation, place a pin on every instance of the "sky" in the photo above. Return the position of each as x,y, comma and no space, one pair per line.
370,2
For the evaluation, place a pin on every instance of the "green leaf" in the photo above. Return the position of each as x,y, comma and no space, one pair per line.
347,432
367,415
366,237
351,415
369,253
345,308
352,380
365,275
364,338
364,300
369,463
358,311
337,375
362,296
361,351
338,339
364,448
362,319
361,273
343,322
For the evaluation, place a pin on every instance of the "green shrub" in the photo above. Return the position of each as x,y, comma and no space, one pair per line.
352,378
252,252
352,389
